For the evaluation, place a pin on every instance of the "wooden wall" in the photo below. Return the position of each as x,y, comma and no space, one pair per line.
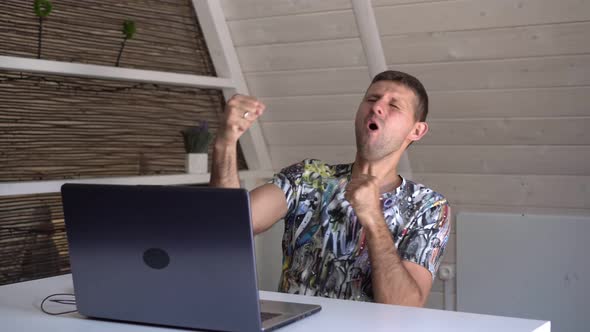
509,83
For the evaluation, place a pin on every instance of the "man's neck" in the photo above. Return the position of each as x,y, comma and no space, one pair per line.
384,169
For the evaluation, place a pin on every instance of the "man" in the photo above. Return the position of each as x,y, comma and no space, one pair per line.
356,231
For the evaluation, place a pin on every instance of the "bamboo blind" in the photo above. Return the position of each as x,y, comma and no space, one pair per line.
168,37
58,127
32,238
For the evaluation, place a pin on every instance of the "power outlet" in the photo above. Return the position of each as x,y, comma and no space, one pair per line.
446,272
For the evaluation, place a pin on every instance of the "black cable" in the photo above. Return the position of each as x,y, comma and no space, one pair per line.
66,301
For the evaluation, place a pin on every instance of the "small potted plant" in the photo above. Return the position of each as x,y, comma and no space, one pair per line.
42,9
196,145
129,30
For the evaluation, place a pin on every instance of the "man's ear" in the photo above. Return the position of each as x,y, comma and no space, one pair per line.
420,129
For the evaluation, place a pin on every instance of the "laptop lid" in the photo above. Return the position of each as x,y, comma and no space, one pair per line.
166,255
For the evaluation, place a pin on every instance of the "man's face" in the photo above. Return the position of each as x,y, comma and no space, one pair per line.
384,120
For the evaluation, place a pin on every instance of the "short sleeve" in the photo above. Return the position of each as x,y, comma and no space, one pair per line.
288,179
426,237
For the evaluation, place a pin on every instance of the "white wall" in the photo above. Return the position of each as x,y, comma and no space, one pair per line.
509,83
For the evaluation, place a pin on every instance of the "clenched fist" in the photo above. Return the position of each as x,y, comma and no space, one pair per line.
363,194
239,114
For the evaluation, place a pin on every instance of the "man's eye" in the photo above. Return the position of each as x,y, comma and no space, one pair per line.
371,100
394,106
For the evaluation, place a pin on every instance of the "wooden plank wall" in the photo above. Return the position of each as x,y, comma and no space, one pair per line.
298,57
509,83
510,94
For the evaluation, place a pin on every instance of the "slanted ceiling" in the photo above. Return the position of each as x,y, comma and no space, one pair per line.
509,83
509,86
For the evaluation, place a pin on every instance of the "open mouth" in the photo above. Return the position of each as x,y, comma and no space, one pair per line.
373,126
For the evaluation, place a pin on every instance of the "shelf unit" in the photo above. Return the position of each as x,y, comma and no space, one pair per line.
229,80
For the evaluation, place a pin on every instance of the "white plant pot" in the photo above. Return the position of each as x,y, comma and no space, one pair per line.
196,163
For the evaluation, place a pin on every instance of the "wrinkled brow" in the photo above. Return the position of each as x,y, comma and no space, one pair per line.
380,95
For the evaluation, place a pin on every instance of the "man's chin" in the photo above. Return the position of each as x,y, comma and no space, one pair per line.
370,154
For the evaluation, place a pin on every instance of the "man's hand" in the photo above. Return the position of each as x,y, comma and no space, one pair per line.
363,194
267,201
239,114
394,280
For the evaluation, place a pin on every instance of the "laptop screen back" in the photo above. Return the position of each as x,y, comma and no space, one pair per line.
167,255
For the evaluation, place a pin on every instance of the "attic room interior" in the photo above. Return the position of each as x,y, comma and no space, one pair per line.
383,164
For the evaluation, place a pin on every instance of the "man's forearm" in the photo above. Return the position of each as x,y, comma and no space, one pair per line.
239,114
392,283
224,171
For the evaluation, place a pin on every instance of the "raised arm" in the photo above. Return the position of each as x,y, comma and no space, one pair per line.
239,114
268,201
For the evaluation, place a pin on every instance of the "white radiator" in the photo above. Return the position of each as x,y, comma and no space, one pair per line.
529,266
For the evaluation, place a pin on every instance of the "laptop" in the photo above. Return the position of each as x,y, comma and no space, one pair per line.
177,256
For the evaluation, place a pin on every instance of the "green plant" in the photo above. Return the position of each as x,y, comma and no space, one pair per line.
197,139
129,30
42,9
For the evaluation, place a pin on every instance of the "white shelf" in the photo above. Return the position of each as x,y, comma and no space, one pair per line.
226,65
112,73
53,186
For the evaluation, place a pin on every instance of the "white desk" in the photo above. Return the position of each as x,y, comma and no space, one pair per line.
19,312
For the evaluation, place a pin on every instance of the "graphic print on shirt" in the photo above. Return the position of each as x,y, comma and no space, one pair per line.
324,249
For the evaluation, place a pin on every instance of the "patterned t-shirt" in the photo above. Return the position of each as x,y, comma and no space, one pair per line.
324,251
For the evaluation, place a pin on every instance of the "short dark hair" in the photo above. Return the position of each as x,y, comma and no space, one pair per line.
413,84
